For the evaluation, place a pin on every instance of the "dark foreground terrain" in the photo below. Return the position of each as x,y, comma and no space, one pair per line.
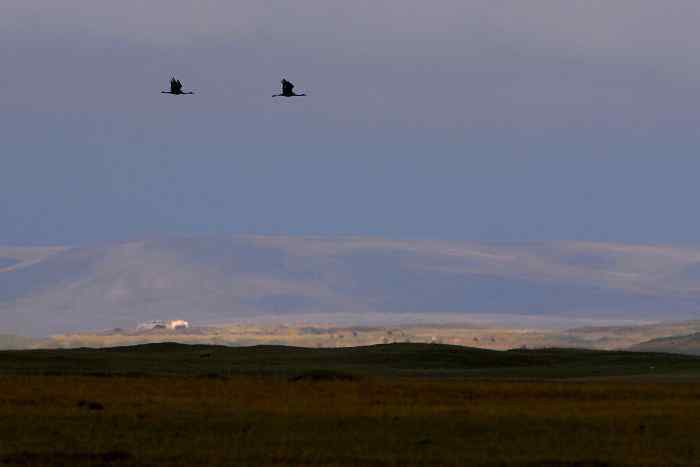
168,359
385,405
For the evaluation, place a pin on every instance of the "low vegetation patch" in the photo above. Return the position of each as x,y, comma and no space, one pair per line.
323,375
370,421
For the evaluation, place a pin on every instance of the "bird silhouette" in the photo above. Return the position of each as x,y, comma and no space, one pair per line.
176,88
287,90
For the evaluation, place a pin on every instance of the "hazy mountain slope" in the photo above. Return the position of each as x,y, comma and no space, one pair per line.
689,345
12,342
221,279
620,337
17,257
6,262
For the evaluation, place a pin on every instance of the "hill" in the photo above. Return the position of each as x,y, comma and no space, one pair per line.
689,345
10,341
209,280
388,359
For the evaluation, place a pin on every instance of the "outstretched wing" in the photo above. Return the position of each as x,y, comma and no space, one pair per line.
175,86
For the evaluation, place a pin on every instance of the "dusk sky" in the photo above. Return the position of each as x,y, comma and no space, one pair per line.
494,120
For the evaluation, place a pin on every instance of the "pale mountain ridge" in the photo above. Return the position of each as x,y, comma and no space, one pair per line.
225,279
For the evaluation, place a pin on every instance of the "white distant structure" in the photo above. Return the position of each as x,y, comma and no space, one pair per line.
172,325
178,324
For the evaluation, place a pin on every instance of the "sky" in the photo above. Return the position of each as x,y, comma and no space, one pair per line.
491,120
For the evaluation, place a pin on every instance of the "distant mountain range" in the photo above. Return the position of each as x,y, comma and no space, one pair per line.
224,279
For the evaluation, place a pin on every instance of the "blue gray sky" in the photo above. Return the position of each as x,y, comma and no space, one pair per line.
497,120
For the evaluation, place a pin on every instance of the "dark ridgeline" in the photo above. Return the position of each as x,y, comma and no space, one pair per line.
288,90
176,88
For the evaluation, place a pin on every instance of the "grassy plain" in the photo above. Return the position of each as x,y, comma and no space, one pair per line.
394,405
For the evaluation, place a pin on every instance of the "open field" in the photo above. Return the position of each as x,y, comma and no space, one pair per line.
200,405
333,335
258,421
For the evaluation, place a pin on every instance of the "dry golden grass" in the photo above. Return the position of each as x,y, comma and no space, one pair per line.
330,336
366,422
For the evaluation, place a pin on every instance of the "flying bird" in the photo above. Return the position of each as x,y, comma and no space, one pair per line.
287,90
176,88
